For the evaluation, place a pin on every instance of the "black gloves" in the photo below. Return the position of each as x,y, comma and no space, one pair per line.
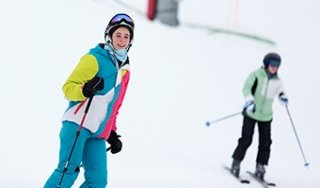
115,142
92,86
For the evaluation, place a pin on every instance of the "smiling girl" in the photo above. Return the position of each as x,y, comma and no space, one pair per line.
102,76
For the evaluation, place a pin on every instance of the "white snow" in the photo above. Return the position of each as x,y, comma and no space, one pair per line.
181,78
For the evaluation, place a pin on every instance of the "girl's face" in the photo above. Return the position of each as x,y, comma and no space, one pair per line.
272,69
121,38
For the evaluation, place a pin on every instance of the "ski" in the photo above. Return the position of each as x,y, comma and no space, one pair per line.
264,183
239,178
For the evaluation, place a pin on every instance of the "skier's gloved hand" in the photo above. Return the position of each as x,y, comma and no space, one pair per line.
249,105
92,86
283,98
115,142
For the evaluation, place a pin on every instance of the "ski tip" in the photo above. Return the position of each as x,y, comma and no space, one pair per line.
208,123
245,181
272,184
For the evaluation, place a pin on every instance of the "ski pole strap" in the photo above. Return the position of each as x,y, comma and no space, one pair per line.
85,114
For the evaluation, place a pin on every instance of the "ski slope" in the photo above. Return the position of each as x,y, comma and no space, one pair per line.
181,78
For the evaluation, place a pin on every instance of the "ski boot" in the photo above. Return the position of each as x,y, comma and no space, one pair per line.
235,167
260,171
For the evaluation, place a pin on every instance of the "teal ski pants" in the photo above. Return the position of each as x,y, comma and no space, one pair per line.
89,150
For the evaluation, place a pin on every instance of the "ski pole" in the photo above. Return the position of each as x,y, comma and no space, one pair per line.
208,123
306,164
75,141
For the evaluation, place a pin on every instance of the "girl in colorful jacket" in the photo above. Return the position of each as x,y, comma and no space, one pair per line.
260,89
101,79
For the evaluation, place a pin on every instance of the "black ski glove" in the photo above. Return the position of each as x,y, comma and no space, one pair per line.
92,86
115,142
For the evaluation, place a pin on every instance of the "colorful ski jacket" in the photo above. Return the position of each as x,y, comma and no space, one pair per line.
263,89
102,114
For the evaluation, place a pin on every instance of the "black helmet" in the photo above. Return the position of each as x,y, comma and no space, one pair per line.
117,21
272,58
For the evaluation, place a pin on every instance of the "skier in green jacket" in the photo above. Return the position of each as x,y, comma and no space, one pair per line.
260,89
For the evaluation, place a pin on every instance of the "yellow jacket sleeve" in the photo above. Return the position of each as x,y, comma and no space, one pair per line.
86,69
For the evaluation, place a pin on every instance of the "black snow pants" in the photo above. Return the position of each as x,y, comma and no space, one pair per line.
246,139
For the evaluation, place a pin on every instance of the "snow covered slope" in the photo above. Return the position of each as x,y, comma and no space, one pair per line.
181,78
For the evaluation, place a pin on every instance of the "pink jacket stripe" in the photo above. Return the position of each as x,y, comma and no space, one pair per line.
111,123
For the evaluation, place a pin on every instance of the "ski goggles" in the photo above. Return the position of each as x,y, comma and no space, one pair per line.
274,63
121,18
